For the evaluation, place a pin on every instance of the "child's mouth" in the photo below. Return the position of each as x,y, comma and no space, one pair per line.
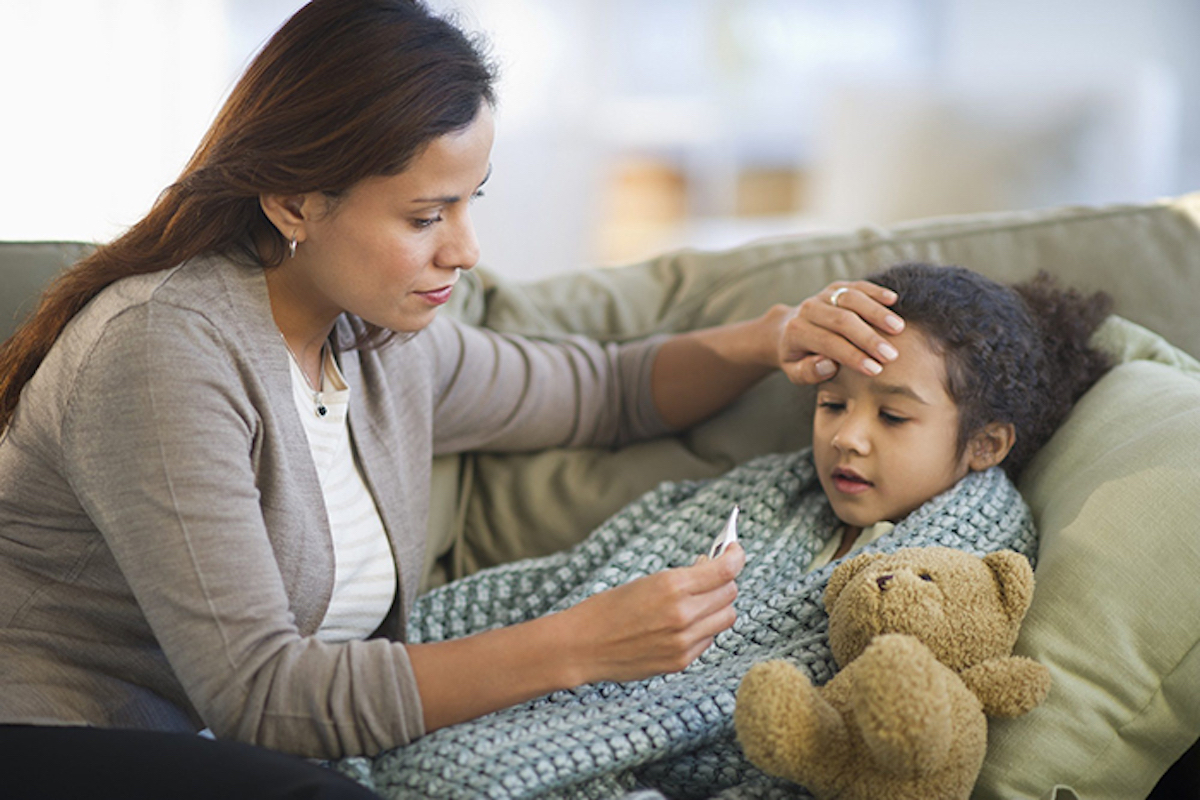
848,481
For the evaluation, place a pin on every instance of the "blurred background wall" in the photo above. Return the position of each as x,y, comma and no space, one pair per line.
627,127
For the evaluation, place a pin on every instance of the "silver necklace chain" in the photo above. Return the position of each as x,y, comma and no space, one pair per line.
318,400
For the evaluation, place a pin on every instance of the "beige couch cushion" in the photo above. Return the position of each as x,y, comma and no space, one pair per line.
25,269
1115,614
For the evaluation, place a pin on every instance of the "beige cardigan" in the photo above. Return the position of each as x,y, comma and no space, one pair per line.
164,552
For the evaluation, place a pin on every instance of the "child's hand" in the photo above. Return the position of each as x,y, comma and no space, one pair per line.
847,322
659,623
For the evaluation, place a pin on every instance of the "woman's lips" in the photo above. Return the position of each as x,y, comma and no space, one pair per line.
436,296
848,481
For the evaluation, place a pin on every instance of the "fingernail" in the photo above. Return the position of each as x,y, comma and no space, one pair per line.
889,296
825,368
888,352
894,323
872,367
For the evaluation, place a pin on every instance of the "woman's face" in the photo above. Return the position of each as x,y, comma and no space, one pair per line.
884,445
390,248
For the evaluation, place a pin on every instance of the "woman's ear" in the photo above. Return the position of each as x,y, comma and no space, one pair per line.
288,212
989,446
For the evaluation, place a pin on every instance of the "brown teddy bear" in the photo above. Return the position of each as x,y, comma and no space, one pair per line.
923,640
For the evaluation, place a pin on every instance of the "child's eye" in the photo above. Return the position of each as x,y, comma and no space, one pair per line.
831,405
892,419
478,194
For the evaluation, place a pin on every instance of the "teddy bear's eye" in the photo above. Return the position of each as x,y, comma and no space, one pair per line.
925,576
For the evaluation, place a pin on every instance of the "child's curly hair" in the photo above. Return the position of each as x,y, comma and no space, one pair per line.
1016,354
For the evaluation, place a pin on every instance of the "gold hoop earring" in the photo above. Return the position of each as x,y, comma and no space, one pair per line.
292,246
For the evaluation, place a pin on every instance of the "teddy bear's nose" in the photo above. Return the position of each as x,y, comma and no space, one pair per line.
882,582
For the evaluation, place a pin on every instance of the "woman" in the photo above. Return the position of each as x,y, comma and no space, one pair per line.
218,428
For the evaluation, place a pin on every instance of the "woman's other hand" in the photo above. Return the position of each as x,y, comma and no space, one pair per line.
656,624
846,323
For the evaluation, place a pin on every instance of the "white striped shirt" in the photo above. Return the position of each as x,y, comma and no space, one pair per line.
365,582
865,537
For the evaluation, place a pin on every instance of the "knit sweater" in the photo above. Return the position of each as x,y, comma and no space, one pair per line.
673,732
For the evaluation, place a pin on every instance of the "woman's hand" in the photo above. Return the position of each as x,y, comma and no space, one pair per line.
655,624
847,323
700,372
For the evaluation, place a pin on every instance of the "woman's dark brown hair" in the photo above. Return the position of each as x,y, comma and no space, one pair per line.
1017,354
345,90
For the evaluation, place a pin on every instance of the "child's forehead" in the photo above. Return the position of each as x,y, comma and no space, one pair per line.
918,373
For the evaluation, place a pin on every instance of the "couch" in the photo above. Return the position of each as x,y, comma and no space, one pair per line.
1116,492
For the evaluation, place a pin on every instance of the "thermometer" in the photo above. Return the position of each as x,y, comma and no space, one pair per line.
726,537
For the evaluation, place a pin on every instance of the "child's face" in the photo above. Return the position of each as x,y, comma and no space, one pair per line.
885,445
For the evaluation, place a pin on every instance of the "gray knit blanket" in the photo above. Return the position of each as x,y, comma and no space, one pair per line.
673,733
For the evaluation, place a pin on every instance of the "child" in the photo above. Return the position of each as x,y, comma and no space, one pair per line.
989,374
921,454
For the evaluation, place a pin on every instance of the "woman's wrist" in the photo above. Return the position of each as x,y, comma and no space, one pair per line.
501,667
750,346
554,656
565,659
770,334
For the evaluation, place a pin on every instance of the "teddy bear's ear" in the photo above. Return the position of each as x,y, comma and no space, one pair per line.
1014,577
844,573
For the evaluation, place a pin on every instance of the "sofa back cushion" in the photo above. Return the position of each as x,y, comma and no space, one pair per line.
25,269
1116,494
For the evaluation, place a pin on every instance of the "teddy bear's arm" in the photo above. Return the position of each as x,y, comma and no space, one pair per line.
786,728
1008,686
903,700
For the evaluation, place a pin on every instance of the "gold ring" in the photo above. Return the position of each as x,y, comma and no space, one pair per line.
833,298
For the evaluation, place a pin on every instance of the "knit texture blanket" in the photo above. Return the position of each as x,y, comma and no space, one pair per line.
672,732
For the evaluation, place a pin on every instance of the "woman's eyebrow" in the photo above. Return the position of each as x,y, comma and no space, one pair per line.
453,198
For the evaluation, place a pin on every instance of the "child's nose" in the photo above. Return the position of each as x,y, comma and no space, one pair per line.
851,436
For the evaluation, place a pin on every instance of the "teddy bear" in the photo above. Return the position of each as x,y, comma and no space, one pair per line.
923,640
